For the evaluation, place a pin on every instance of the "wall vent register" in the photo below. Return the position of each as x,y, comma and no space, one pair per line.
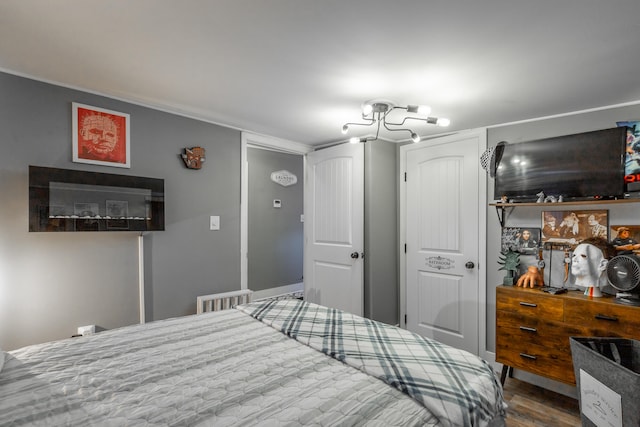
74,200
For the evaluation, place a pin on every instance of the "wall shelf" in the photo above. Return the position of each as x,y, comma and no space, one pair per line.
501,208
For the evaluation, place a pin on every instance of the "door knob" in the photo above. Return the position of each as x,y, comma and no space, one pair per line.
355,255
469,265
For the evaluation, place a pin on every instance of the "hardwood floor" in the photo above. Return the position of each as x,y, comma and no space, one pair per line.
530,405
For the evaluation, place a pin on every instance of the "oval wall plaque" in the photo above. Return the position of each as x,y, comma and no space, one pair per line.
284,178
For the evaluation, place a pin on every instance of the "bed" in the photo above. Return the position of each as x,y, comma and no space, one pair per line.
284,362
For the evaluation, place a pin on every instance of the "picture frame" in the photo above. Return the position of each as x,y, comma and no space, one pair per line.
620,240
100,136
632,157
117,213
573,226
525,240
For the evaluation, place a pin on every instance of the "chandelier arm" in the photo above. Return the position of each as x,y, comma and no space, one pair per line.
429,120
372,121
395,130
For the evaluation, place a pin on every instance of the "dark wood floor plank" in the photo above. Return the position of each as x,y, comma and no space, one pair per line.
532,406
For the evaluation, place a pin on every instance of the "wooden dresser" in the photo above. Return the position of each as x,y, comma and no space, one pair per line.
533,327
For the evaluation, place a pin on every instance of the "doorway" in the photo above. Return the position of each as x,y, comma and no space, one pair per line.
268,266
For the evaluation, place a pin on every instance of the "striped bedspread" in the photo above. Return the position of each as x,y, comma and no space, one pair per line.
459,388
228,369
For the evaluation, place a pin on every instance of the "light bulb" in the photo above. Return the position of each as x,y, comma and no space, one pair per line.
415,137
424,109
443,122
345,129
367,109
354,140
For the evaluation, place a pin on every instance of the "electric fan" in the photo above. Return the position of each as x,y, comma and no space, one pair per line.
623,273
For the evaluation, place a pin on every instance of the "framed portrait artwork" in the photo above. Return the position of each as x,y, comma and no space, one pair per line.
525,240
572,227
625,238
100,136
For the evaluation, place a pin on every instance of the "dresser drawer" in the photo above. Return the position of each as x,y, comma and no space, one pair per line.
542,360
518,328
604,318
529,303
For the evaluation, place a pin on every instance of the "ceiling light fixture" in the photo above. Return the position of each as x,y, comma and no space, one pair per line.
377,112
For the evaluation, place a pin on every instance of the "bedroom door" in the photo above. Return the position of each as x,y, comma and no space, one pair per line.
443,239
334,227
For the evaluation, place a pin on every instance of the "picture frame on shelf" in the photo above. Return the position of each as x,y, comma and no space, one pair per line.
625,238
572,227
100,136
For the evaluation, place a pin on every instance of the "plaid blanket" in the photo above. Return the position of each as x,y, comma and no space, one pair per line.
456,386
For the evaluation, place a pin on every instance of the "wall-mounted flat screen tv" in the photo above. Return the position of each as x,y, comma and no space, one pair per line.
583,166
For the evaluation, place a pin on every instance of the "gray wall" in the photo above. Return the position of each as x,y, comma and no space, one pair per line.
275,235
51,283
381,287
531,216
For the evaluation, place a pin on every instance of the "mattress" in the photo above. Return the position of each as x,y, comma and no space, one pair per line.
223,368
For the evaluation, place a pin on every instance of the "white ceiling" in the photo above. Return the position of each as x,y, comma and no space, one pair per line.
300,69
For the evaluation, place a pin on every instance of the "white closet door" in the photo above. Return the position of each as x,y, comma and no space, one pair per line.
334,227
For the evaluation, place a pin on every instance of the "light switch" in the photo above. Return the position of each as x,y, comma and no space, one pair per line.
214,222
277,203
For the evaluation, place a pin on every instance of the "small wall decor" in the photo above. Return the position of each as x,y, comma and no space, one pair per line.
194,157
572,227
632,160
284,178
100,136
525,240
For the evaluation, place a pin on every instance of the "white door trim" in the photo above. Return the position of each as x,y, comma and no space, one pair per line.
267,143
481,134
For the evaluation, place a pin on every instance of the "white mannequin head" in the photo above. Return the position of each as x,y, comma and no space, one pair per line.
588,263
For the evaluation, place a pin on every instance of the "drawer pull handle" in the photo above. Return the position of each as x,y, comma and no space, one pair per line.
609,318
528,304
528,329
528,356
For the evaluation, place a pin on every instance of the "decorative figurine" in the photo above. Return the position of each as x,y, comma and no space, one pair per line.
531,278
540,197
510,260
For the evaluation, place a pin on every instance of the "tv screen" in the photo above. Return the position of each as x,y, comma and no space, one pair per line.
583,166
